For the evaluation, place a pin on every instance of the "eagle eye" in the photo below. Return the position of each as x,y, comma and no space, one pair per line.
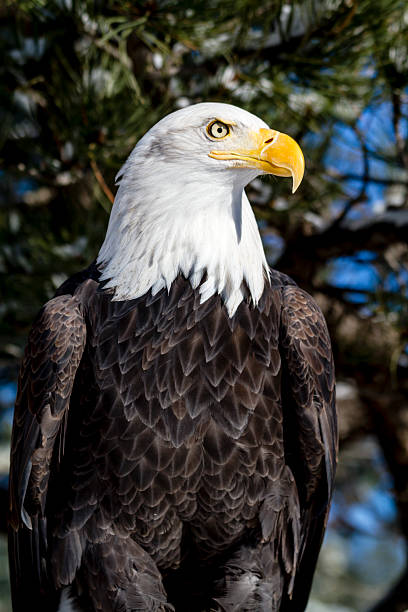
218,129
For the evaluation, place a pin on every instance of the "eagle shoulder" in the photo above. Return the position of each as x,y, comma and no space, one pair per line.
310,425
53,353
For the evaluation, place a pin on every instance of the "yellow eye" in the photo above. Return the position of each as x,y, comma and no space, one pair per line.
218,129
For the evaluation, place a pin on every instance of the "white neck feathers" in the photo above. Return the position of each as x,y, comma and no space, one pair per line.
163,224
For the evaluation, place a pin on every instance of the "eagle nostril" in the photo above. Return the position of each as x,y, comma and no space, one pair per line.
268,141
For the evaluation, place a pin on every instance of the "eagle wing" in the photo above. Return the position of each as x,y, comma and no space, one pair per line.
310,427
46,380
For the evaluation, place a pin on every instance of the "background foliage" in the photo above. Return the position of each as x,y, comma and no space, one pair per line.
81,81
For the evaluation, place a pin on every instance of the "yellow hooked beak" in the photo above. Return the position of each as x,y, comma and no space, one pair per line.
272,152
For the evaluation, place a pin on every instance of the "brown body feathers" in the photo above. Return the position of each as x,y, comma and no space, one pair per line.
165,454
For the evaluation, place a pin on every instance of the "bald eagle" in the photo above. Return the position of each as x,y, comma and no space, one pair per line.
174,440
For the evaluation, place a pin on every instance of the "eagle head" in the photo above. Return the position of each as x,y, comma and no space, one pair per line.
181,207
206,138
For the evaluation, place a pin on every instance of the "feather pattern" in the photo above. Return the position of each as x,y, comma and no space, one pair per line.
160,433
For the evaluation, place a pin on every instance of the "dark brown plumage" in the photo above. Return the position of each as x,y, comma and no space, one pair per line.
166,454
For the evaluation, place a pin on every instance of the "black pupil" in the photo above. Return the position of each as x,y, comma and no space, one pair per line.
219,130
